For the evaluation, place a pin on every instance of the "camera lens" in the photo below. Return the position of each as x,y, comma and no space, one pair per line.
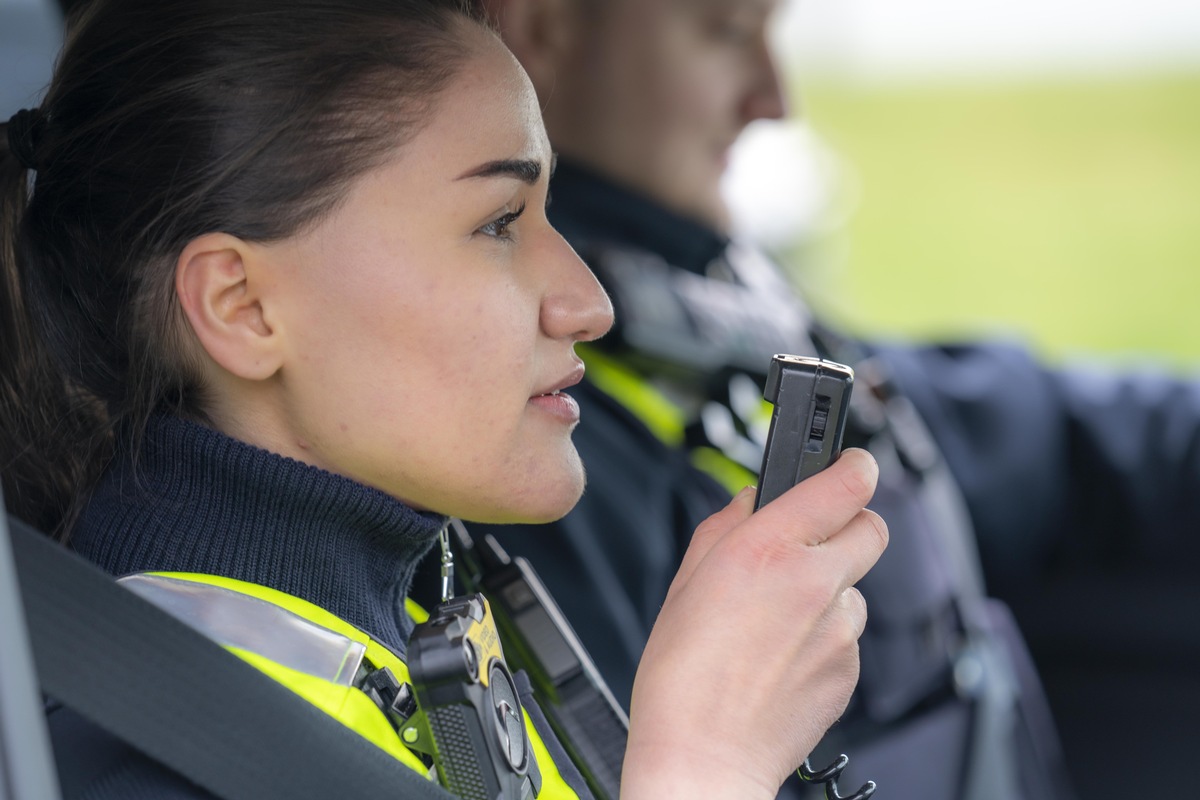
507,717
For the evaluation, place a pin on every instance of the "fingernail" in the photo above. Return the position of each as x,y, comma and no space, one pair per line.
865,464
871,469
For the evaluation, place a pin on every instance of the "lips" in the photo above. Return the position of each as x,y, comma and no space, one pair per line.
570,379
554,402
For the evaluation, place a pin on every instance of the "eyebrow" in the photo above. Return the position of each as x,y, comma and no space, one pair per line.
734,5
524,170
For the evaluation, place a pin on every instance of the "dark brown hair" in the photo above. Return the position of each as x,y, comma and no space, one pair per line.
166,120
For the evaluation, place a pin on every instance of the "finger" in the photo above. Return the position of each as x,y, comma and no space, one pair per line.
854,606
819,506
851,553
709,532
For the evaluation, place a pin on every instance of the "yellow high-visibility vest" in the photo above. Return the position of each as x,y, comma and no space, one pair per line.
310,651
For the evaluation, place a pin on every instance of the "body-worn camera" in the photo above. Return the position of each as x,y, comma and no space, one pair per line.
578,704
811,398
468,714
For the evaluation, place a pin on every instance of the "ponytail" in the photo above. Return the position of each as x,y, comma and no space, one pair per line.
52,435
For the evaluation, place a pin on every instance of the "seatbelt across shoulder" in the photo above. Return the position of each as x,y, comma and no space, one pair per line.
143,676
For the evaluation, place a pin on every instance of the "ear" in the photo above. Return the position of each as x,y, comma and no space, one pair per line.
221,296
540,33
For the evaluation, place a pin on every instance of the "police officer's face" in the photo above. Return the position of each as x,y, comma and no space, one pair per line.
431,319
654,93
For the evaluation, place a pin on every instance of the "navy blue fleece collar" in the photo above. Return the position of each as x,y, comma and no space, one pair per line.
200,501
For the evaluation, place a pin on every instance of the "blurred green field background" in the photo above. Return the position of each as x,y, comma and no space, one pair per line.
1066,212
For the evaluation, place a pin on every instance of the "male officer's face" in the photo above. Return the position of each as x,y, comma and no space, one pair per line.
654,92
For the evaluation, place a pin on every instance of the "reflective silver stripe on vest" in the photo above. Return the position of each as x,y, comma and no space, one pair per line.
233,619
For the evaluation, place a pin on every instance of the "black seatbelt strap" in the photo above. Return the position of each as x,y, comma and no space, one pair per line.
181,699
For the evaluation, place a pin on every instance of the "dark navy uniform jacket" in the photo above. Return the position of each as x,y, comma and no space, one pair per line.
1077,487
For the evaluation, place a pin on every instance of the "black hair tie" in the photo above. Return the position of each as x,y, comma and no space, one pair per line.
24,132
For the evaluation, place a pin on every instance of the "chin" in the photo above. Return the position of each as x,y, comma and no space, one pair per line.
550,504
704,206
538,514
714,212
546,500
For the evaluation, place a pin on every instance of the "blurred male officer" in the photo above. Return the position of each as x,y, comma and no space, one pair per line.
643,100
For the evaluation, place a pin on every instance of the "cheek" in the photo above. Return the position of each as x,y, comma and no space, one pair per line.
476,353
375,343
704,98
682,80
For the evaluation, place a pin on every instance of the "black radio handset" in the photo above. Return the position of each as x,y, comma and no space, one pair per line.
811,397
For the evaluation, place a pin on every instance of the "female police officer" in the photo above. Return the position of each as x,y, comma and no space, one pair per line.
280,295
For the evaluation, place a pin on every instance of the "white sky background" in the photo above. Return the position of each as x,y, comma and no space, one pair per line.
781,177
917,37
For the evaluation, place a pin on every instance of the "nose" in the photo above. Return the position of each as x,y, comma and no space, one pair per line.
576,307
764,96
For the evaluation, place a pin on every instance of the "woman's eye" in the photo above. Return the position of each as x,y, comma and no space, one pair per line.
499,227
735,31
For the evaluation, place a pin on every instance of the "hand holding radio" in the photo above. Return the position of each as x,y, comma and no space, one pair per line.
753,657
755,652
